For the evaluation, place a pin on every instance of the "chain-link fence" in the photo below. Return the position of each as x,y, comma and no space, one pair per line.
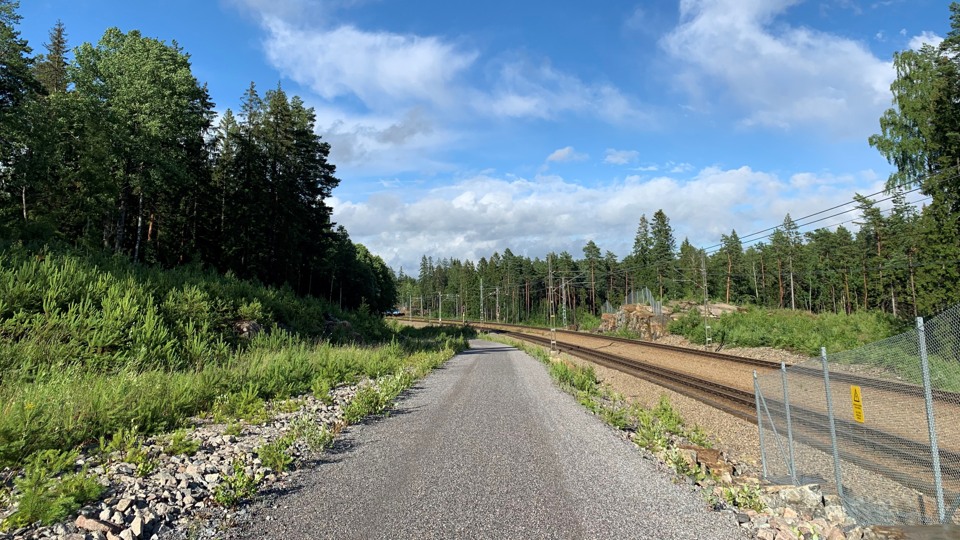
878,425
643,296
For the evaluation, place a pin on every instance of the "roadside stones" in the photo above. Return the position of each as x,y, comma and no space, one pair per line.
179,490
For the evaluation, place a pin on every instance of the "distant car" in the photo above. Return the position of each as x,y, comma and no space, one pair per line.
393,313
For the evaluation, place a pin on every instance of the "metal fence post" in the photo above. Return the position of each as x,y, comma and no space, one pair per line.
833,423
786,405
931,425
756,398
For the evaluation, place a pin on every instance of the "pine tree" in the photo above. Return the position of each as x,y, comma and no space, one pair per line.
51,68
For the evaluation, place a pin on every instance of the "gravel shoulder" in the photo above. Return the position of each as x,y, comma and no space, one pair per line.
486,447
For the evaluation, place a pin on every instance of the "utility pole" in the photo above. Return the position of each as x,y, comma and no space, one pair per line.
550,287
481,300
563,299
497,289
706,305
440,309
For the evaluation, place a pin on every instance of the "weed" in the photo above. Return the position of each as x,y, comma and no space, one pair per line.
318,438
650,433
668,417
321,389
123,441
233,428
180,443
746,496
287,406
679,463
237,486
367,401
274,455
617,417
45,498
244,405
699,437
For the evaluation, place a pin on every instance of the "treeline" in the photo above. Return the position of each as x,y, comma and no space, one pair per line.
899,259
116,146
879,267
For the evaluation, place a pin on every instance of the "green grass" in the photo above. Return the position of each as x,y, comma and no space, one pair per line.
91,346
798,331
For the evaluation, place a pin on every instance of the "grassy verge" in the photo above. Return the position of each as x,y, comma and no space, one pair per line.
796,331
72,407
91,345
123,408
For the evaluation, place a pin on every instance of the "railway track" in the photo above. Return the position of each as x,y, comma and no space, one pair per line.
901,459
898,458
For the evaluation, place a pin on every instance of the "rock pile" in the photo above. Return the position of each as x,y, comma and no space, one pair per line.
636,318
789,512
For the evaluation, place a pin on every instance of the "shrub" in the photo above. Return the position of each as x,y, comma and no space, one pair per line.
237,486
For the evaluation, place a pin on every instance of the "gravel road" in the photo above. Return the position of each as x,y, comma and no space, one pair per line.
487,447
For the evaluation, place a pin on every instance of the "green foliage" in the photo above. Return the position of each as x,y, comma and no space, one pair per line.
243,405
317,437
650,432
233,428
64,408
368,401
237,486
128,445
274,455
668,417
321,388
581,378
46,495
745,496
797,331
180,443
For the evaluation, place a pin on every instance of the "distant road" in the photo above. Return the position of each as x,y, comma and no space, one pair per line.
488,447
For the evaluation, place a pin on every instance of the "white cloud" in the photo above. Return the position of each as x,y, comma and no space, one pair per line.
476,216
382,69
925,38
778,75
522,90
566,153
620,157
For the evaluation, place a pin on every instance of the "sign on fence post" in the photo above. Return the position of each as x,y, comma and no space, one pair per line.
857,398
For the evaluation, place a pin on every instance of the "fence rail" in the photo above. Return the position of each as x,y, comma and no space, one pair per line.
878,425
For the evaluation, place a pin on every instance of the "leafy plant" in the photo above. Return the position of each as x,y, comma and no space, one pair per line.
274,455
233,428
237,486
45,498
679,463
244,405
699,437
180,443
321,389
746,496
668,417
367,401
317,437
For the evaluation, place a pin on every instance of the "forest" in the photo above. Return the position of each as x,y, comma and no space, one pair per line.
116,147
899,254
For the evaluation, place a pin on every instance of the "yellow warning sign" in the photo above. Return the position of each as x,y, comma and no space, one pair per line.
857,398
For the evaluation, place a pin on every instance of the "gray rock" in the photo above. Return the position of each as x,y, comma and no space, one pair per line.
123,505
136,527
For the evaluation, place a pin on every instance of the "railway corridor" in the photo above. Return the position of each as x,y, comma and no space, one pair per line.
487,447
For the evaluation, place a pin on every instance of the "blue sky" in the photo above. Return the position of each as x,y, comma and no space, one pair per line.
460,129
